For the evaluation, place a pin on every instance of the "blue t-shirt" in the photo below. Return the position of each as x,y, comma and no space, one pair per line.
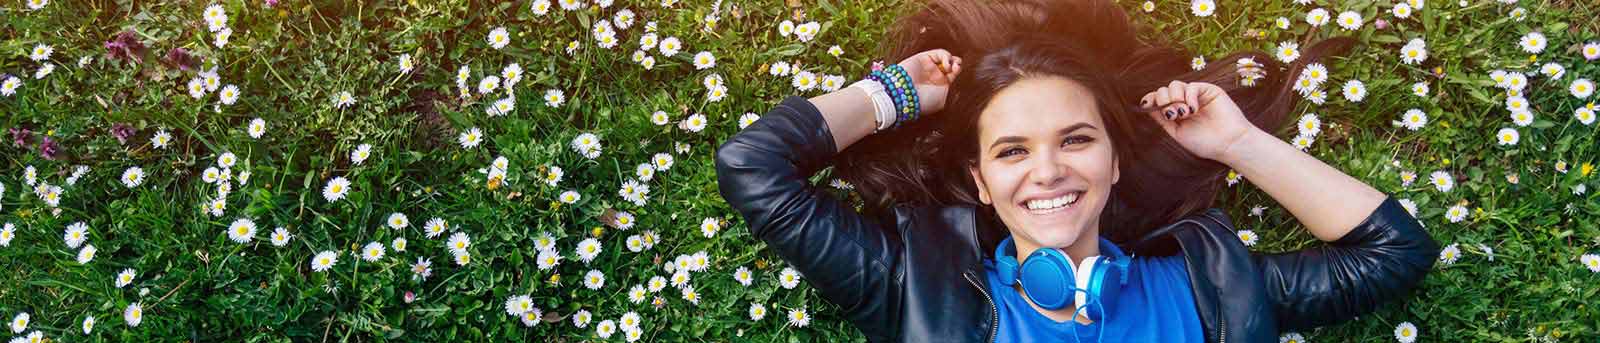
1155,306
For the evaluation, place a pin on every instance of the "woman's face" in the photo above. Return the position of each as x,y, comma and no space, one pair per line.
1045,161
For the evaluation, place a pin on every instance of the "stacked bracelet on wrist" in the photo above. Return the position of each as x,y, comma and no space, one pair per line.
897,83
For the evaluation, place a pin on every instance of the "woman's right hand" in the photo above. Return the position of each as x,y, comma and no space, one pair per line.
932,72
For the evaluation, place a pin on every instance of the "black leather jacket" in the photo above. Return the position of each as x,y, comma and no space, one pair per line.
922,280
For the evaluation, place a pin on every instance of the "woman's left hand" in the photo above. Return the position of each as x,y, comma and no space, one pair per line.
1200,116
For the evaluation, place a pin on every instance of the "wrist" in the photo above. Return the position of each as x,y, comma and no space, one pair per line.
1244,146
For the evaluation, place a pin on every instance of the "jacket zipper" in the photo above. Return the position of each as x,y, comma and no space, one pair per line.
994,313
1223,338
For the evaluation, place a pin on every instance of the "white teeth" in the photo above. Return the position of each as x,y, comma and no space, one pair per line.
1047,204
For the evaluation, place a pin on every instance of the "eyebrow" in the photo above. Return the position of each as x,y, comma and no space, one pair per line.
1019,139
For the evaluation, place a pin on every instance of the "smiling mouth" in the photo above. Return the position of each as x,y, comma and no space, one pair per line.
1053,205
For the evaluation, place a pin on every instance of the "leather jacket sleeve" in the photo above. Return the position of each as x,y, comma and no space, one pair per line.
851,261
1380,260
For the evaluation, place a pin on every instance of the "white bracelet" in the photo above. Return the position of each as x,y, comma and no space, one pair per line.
882,104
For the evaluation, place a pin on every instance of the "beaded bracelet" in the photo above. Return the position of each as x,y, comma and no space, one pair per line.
898,84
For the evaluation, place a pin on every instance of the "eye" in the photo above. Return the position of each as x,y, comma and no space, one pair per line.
1010,151
1080,139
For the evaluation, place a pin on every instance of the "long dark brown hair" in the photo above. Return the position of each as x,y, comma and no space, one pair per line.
1089,41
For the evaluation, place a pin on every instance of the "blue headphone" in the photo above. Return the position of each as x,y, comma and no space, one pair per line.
1049,278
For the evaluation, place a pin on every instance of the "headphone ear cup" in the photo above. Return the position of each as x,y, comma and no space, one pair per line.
1005,267
1047,277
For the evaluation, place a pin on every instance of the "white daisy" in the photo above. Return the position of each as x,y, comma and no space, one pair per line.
704,59
1456,213
1414,119
405,63
548,259
421,269
554,97
34,5
1414,51
541,7
88,324
570,197
1410,206
86,254
336,188
1401,10
1309,125
19,323
1442,180
280,237
8,232
161,139
670,46
256,127
799,318
789,278
76,234
44,70
498,38
806,32
242,230
588,249
709,227
41,52
435,227
1355,90
606,327
1197,63
343,100
1591,261
757,311
1581,88
594,279
1350,20
10,86
662,161
1522,117
1584,115
1248,237
779,68
132,177
1507,136
133,314
1302,142
1591,51
1288,51
488,84
470,138
360,154
1419,89
372,252
1532,43
1202,8
747,119
695,122
197,88
458,243
1449,254
1553,70
1405,332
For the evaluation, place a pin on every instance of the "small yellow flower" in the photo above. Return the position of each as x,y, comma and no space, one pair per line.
1586,169
1533,58
555,279
597,231
1447,161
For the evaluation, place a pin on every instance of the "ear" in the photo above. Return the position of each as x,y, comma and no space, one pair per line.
1116,169
977,179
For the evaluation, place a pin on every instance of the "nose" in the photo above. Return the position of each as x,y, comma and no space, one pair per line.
1047,170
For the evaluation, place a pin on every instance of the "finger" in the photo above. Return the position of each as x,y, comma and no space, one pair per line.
1164,98
1147,102
1192,96
1161,119
1174,111
1178,93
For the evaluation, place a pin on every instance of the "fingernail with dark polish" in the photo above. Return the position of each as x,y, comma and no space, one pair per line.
1169,114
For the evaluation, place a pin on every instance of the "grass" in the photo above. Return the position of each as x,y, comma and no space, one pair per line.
290,60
